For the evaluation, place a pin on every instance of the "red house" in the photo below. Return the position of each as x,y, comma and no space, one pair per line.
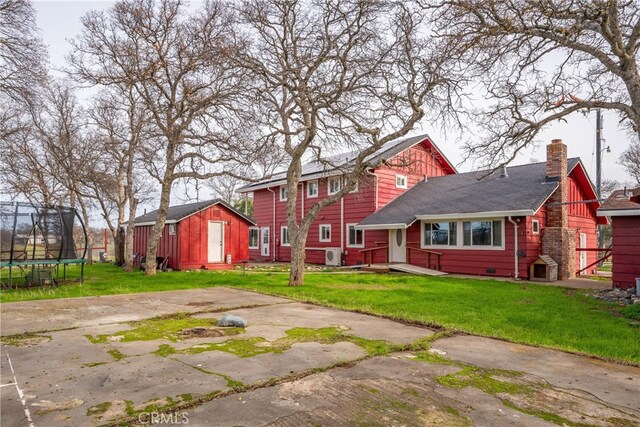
623,207
412,207
209,235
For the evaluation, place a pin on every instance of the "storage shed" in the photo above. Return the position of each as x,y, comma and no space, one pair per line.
209,235
623,207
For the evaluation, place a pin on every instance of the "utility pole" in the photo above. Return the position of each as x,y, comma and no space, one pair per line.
599,153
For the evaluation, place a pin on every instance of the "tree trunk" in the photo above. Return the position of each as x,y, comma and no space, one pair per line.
158,228
298,254
128,245
118,246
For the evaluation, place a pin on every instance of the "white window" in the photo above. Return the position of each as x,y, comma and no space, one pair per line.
355,237
284,236
482,233
401,181
325,232
172,229
312,189
253,237
440,234
284,194
334,186
535,226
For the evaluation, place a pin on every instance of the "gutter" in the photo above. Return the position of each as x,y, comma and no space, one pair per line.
273,228
515,248
375,179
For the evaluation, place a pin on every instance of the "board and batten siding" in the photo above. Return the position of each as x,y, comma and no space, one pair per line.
626,250
167,245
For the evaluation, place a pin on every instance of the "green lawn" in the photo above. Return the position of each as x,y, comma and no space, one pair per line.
524,313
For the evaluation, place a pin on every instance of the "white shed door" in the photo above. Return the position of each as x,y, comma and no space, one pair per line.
216,241
398,245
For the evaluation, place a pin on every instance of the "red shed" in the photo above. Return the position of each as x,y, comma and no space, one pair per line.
211,235
623,207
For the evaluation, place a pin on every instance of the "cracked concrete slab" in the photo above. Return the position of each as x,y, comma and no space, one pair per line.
58,314
610,382
70,381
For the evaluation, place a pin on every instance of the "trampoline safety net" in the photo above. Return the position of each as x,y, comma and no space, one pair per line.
36,240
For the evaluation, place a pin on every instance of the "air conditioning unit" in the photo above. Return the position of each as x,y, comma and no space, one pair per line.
332,256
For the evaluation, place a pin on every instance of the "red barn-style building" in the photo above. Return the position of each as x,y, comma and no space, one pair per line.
209,235
413,207
623,207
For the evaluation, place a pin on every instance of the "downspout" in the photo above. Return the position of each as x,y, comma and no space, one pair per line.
342,225
272,241
375,179
515,247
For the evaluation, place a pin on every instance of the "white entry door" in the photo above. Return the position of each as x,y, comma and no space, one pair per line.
216,241
583,254
264,241
398,245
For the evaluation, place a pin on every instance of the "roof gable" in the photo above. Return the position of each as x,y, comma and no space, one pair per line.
340,163
522,192
180,212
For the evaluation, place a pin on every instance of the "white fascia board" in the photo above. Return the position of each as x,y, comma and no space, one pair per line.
619,212
141,224
281,182
472,215
381,226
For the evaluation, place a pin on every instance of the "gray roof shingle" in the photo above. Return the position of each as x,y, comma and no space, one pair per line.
525,188
177,213
344,161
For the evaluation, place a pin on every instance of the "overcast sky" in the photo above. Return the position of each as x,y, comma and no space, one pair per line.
60,20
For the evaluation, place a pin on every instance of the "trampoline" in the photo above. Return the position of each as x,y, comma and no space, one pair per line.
38,244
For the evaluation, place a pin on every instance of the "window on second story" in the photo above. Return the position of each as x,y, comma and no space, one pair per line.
325,232
401,181
312,189
172,229
334,185
284,194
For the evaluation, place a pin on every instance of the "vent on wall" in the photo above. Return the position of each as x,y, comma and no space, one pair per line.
491,270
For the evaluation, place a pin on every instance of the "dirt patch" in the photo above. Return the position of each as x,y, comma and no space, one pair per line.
45,406
200,332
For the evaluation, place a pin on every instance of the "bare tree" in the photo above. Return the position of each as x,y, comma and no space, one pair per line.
335,75
21,51
630,160
117,182
180,66
541,61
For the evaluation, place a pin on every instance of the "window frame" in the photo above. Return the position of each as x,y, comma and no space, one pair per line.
448,245
460,234
320,238
172,229
284,229
535,226
257,230
354,245
336,179
404,178
285,190
311,196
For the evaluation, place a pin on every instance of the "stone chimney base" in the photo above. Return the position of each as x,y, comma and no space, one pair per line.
560,244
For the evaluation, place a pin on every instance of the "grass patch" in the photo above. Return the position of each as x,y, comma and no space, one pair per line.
632,312
163,327
547,416
98,409
250,347
518,312
482,379
24,339
116,354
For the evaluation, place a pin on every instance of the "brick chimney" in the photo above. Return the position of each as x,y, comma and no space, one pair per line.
558,240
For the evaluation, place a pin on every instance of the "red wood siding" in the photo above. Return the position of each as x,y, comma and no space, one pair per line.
415,163
478,261
193,233
188,248
626,251
168,244
582,218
